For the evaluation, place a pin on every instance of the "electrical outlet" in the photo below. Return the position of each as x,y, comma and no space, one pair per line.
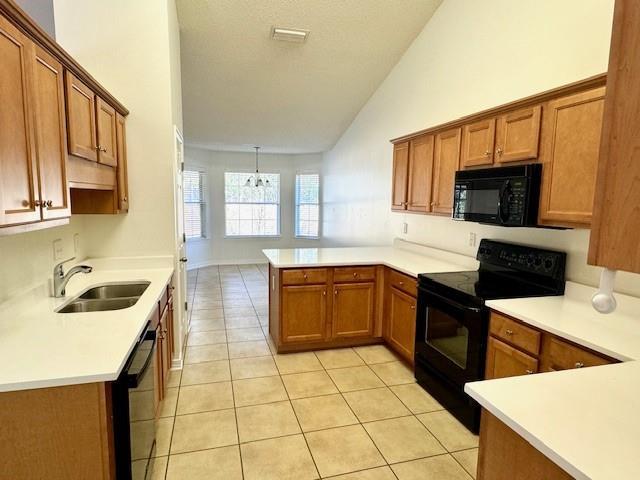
76,243
405,228
58,249
472,239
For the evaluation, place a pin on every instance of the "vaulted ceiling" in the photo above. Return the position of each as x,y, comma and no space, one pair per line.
241,88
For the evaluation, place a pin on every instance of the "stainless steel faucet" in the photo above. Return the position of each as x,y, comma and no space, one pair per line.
60,280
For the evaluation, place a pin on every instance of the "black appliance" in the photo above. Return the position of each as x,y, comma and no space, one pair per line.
452,321
506,196
134,408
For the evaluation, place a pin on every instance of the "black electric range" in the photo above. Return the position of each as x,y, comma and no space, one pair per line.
452,321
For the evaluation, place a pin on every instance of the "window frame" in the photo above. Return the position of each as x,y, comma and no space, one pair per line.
295,205
224,202
204,204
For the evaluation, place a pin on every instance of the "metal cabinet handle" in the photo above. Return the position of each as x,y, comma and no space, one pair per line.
400,283
335,292
509,332
528,371
324,293
499,150
579,364
38,203
304,275
49,203
355,275
413,307
487,153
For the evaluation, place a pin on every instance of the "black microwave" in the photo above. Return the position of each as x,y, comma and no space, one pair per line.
507,196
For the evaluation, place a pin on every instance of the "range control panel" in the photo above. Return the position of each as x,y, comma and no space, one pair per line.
549,263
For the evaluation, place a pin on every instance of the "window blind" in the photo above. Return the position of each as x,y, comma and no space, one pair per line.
195,208
251,211
307,215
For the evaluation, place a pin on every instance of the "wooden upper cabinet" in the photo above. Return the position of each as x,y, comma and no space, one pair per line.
505,361
615,227
305,309
401,317
51,145
570,147
400,176
353,310
107,141
122,172
81,116
420,174
19,200
517,135
446,160
477,143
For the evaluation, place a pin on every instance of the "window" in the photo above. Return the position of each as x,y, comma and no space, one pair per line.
251,211
195,207
307,205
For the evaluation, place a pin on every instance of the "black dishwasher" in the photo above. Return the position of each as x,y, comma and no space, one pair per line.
133,404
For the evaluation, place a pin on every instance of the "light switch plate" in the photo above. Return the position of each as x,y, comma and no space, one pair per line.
405,227
76,243
58,249
472,239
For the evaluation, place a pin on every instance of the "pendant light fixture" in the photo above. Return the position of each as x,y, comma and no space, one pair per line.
256,181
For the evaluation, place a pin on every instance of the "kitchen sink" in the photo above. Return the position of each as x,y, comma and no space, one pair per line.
98,305
102,298
118,290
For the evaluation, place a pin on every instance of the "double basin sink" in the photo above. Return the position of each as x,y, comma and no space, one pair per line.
115,296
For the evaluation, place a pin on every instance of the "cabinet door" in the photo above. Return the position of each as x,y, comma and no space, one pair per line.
353,310
304,313
107,141
51,133
122,183
506,361
165,347
615,227
400,175
445,164
402,323
477,143
19,197
517,135
158,384
81,119
571,133
420,174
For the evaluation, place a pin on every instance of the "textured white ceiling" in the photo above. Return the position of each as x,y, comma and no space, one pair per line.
240,88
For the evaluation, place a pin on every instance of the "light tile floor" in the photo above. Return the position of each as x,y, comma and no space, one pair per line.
237,410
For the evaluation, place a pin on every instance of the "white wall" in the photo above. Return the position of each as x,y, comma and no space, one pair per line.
470,56
216,249
26,259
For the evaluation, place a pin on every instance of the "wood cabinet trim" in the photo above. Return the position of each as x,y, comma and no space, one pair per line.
30,28
586,84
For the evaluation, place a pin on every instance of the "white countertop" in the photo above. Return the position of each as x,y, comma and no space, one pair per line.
42,348
572,317
585,420
400,259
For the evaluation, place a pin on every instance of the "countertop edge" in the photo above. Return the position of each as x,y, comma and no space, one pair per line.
524,433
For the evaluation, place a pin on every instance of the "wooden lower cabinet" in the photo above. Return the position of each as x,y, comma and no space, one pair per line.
401,318
505,455
506,361
516,349
304,313
353,310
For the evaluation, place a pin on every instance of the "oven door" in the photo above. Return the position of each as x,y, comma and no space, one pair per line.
450,337
484,200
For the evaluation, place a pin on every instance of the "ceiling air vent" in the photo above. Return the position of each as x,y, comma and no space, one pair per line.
289,34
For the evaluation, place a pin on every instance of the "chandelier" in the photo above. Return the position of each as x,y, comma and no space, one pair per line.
255,180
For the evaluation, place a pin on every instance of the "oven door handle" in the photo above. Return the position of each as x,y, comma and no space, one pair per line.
452,302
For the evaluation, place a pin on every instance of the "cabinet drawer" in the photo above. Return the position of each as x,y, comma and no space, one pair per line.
403,282
304,276
354,274
505,361
525,338
564,356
